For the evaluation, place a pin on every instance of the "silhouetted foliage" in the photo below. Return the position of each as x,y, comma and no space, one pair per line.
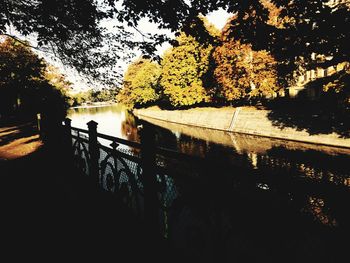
77,33
291,30
311,29
329,112
27,85
298,34
20,70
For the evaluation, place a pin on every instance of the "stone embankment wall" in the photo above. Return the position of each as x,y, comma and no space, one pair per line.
245,120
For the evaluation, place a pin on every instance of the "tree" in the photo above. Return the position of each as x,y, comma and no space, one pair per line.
186,66
27,84
57,79
182,70
243,73
80,98
140,83
75,31
292,31
60,25
100,95
314,34
20,70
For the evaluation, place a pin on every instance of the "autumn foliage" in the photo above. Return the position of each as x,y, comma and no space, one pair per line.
182,70
243,73
261,51
204,66
140,83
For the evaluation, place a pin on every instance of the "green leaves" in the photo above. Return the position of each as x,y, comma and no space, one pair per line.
141,81
183,68
201,68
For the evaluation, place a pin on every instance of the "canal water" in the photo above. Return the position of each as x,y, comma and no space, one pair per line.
280,197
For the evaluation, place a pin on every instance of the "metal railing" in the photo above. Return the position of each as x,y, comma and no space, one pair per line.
140,173
188,198
207,205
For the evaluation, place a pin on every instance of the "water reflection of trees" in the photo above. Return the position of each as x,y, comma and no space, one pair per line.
237,200
302,160
318,209
97,110
310,164
225,211
129,128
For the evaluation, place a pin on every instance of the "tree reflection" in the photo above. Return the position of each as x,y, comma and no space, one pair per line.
129,128
318,209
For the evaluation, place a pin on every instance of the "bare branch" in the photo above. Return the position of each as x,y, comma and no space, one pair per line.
26,43
142,34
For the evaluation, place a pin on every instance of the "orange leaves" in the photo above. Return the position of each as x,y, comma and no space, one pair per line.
244,73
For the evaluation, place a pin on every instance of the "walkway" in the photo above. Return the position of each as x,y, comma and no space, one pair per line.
49,212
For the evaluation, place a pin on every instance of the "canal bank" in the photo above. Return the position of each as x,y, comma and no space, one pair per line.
245,120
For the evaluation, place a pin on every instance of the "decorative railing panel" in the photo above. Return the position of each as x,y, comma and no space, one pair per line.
120,172
80,146
208,202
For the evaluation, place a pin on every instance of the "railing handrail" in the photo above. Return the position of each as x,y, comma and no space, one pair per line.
119,140
130,157
111,138
79,130
160,150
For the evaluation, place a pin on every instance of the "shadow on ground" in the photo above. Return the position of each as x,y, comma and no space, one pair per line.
49,211
9,134
315,117
321,108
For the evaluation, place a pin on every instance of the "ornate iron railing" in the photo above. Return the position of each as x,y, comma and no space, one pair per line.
188,198
124,168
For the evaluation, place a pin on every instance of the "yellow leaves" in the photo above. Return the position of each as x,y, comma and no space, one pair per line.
140,81
332,86
56,79
182,70
188,75
186,96
242,72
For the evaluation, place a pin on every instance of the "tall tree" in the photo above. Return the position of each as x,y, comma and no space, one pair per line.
186,66
87,35
314,34
183,67
20,70
26,84
243,73
140,83
77,31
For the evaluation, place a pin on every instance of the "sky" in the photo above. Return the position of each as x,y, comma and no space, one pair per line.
218,18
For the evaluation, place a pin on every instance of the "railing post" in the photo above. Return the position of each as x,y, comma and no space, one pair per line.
93,151
148,162
51,130
68,137
38,119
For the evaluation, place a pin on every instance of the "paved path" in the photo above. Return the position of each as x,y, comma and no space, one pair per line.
18,141
49,212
